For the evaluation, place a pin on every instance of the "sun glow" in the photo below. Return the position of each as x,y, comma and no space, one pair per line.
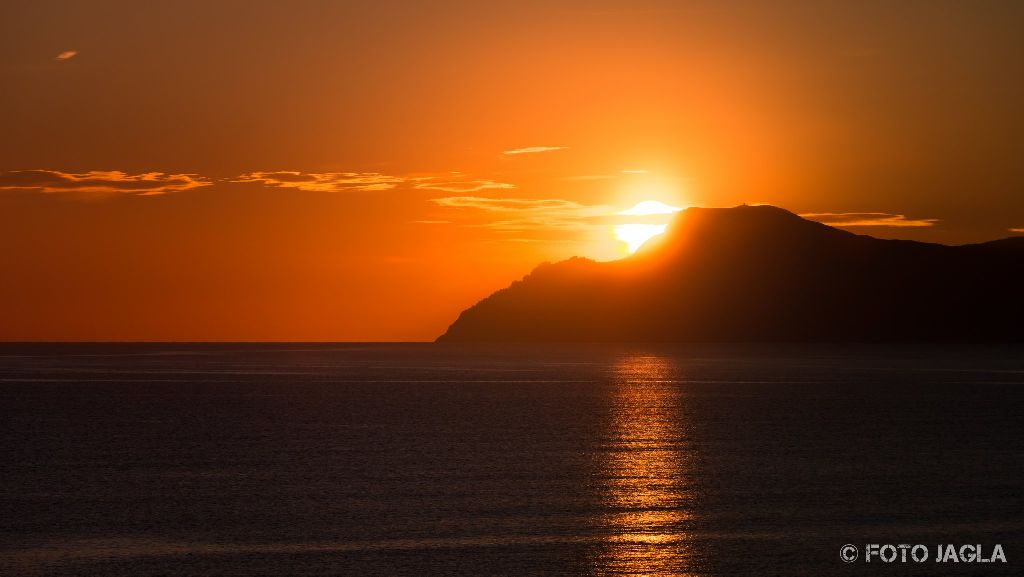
636,234
649,207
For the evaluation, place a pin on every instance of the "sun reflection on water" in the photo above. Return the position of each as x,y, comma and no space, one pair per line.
647,474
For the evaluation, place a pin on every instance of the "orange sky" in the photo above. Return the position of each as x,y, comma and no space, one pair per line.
321,170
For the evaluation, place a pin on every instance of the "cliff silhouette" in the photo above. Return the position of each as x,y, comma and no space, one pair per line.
761,273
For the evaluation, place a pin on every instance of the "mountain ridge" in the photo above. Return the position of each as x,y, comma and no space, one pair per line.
761,273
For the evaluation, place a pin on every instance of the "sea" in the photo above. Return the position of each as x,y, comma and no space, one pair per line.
396,460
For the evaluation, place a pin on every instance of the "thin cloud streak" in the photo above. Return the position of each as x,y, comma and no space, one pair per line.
462,185
857,219
369,181
528,214
66,55
509,204
100,182
534,150
323,181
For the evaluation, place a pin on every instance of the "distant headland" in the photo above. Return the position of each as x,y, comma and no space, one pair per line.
761,273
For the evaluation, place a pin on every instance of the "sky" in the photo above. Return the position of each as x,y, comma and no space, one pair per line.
364,170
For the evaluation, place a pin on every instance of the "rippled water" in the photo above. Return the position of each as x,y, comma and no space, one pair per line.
555,460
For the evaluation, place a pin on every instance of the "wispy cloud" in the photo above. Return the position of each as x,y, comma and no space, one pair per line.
99,182
1018,230
855,219
455,182
529,214
534,150
66,55
448,185
323,181
508,204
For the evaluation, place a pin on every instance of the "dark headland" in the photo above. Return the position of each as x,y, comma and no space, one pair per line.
761,273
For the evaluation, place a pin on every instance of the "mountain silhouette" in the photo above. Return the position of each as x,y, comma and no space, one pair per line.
761,273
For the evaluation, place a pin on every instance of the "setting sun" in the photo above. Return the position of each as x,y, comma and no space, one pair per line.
636,234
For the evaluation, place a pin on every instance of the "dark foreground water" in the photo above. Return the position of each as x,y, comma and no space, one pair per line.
396,460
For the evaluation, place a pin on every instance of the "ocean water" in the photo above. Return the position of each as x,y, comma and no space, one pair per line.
394,460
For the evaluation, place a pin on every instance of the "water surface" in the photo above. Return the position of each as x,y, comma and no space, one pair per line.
156,459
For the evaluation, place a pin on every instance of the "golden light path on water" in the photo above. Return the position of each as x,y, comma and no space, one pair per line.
648,474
